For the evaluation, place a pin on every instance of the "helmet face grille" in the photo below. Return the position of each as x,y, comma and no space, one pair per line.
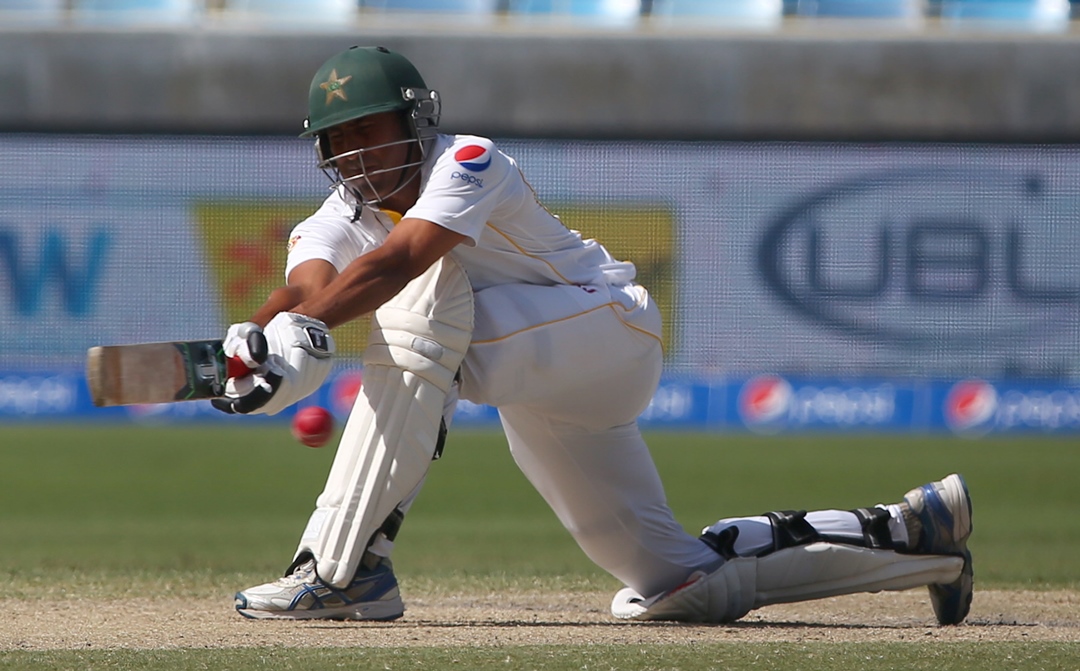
359,185
421,125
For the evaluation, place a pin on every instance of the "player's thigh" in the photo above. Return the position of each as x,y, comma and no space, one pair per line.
566,346
604,488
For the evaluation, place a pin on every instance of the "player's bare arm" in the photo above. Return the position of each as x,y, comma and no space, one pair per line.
283,349
376,277
304,281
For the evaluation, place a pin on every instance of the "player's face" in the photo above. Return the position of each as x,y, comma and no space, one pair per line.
371,152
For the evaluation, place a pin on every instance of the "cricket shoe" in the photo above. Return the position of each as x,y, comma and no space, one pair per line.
301,595
942,510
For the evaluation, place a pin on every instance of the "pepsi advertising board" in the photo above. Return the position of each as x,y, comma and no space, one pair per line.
770,403
804,286
766,404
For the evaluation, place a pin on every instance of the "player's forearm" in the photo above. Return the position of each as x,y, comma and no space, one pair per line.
360,289
304,281
282,299
376,277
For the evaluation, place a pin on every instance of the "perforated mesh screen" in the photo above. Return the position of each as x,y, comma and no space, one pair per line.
815,259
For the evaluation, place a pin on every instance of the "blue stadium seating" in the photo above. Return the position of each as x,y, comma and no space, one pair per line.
860,9
1034,15
293,11
136,11
619,12
468,7
757,13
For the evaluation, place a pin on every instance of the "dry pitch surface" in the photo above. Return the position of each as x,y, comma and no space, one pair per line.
504,619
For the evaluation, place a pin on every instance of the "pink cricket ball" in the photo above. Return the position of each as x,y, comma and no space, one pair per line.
313,426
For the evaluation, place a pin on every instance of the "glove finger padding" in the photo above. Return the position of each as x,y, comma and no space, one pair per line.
299,360
301,350
245,395
246,341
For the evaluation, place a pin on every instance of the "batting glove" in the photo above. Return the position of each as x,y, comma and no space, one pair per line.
299,360
246,342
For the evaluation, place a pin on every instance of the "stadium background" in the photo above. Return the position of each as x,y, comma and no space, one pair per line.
851,225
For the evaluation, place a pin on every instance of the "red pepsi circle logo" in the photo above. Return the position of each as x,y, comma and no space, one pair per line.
970,405
473,157
343,392
765,400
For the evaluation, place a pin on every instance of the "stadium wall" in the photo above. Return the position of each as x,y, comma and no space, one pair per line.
807,81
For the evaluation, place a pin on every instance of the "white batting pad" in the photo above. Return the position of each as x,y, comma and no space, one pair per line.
794,574
418,341
831,569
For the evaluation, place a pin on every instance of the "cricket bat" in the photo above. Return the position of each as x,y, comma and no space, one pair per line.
161,372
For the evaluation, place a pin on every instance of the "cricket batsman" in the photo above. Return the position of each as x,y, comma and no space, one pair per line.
477,291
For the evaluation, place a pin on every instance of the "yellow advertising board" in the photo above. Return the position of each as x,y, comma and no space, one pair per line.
246,244
642,233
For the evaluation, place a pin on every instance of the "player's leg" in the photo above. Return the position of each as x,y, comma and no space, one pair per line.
568,429
394,431
877,527
605,490
571,368
795,556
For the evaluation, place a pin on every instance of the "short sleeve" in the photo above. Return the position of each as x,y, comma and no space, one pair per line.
328,235
465,186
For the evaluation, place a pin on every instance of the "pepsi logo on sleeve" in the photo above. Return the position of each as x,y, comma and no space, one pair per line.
473,157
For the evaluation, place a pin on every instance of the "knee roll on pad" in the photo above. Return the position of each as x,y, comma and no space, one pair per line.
724,595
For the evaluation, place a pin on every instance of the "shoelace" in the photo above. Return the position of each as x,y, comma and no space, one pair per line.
301,574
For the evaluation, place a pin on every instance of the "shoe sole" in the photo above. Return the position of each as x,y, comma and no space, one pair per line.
374,611
952,601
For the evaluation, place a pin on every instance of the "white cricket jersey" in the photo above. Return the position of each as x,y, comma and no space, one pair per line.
472,188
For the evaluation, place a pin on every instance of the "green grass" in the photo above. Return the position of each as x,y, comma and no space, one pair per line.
201,508
103,511
706,656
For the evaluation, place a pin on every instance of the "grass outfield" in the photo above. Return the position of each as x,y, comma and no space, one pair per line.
711,657
96,512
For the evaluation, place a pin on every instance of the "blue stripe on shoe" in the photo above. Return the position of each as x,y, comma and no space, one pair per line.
320,590
936,519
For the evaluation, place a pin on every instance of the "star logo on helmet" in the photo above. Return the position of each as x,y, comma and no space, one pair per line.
335,87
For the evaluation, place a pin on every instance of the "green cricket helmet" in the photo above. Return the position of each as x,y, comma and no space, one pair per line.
359,82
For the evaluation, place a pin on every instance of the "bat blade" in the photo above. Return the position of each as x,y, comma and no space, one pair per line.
163,372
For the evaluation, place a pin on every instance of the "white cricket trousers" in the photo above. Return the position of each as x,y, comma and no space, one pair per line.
570,368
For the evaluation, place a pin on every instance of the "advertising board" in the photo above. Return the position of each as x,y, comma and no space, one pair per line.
804,286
